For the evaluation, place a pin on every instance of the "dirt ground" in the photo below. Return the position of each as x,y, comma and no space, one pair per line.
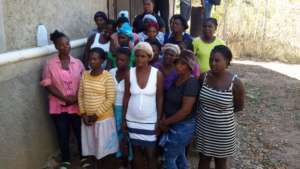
269,127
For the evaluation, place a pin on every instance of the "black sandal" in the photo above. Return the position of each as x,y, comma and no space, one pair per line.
65,165
84,163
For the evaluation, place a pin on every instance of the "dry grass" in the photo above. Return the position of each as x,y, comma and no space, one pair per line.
261,29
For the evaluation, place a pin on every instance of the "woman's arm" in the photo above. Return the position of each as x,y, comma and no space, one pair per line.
159,95
110,95
87,47
183,112
125,100
238,95
80,97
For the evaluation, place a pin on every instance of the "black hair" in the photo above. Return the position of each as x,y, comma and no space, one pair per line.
182,20
212,20
99,51
113,23
56,35
122,20
123,50
152,1
224,50
154,42
101,14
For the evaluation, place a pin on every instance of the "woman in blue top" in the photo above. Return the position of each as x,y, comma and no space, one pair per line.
178,35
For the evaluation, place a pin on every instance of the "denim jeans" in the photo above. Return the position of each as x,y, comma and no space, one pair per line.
185,9
207,8
174,143
63,123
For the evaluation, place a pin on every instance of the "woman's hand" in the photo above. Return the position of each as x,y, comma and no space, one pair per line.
124,127
93,118
86,120
89,119
163,126
70,100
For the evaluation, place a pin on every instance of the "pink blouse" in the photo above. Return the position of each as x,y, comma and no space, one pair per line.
66,81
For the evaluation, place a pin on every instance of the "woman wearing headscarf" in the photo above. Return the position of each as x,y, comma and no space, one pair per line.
178,124
123,17
125,39
143,101
138,23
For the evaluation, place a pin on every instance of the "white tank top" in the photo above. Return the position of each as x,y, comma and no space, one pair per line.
105,47
142,102
97,44
120,87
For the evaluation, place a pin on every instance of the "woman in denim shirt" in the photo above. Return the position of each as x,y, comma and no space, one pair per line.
179,122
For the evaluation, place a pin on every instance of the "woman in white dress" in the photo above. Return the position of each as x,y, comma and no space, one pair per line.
143,101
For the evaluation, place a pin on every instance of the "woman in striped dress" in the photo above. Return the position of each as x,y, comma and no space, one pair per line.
221,94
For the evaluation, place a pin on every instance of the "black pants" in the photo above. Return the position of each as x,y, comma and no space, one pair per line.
63,124
162,6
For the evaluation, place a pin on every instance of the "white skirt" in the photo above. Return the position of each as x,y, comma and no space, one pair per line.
100,139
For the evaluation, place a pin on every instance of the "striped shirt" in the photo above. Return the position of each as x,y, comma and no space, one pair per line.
97,95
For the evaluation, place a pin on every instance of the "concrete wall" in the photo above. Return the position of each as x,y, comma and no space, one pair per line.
21,17
27,136
2,37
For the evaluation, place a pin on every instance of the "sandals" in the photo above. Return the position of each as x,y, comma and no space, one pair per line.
84,163
65,165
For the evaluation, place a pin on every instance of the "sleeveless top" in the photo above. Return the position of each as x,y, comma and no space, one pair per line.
105,47
142,102
120,88
97,44
216,126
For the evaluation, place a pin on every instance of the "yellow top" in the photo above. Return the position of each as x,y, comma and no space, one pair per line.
97,95
202,51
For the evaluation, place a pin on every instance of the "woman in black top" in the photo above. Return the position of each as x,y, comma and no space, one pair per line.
179,122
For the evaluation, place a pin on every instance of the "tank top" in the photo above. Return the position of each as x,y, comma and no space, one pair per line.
105,47
142,102
97,44
120,87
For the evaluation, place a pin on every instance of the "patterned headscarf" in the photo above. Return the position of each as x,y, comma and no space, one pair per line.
126,29
173,47
144,46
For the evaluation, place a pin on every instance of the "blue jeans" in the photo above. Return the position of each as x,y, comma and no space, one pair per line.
207,8
174,143
186,9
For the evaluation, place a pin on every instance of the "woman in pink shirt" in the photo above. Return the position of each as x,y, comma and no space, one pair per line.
61,77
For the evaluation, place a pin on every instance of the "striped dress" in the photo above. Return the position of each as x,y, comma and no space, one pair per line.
216,126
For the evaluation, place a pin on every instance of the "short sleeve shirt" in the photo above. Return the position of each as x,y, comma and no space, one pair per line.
175,94
202,51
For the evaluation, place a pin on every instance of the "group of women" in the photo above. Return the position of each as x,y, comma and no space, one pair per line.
143,94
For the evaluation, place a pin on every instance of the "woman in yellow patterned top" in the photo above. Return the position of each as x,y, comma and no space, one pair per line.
96,98
204,44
